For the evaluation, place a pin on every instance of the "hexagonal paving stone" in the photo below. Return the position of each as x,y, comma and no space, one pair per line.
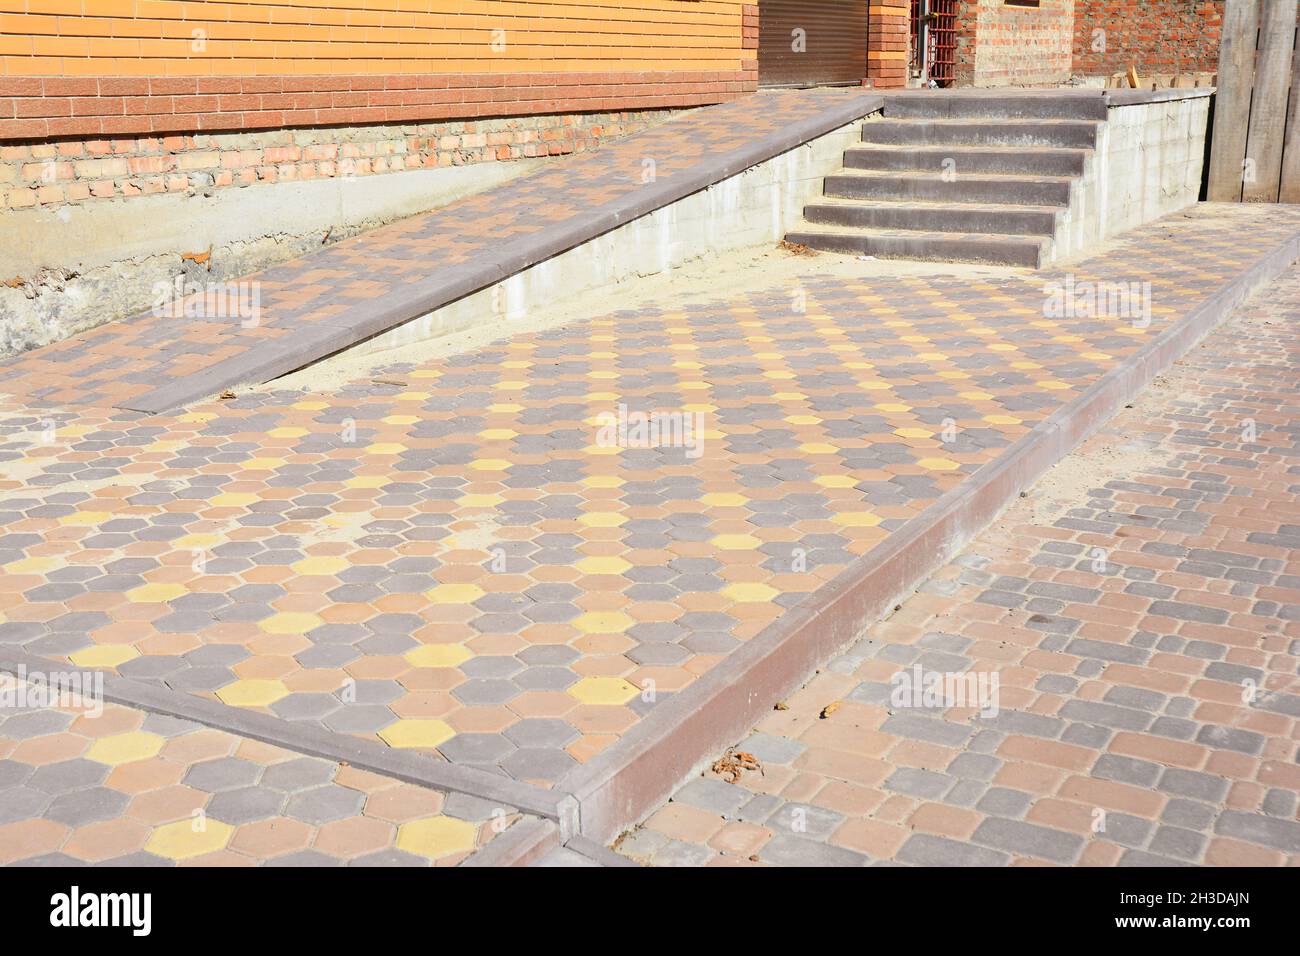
223,773
325,803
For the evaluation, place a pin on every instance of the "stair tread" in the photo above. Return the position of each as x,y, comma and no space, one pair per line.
989,237
935,205
987,121
974,148
929,174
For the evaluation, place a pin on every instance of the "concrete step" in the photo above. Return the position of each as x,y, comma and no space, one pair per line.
915,244
962,218
1069,134
933,187
989,105
1045,161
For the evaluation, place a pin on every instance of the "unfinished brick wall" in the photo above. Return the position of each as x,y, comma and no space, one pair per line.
112,68
1004,44
1156,36
80,171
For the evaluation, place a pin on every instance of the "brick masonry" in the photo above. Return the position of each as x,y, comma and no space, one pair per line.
1141,609
1002,45
77,171
1156,36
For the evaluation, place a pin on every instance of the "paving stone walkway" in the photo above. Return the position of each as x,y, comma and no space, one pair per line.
448,560
317,304
126,788
1147,642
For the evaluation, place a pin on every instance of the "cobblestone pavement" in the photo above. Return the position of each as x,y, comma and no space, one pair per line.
353,288
449,559
1146,637
125,788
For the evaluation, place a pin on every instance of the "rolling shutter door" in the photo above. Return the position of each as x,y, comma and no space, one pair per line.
834,38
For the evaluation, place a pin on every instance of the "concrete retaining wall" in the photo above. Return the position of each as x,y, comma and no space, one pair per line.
110,254
758,206
1148,163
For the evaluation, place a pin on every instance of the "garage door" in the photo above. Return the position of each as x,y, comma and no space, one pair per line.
812,42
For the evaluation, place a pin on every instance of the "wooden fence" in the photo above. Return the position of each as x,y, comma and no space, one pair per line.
1255,152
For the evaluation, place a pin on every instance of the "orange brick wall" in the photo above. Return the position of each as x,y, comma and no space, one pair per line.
120,67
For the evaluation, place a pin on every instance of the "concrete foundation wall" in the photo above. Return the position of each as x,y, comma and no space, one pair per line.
756,207
110,254
1147,164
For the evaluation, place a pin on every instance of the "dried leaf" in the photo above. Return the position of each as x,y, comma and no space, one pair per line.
830,709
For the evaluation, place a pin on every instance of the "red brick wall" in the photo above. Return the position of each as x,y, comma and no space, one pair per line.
1002,45
1156,36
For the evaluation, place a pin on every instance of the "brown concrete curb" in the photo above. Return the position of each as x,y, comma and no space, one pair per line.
618,787
522,845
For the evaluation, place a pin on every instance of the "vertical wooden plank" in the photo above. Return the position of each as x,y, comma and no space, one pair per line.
1232,100
1290,191
1268,105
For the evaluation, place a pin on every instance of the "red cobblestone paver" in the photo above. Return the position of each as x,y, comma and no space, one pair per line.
1141,610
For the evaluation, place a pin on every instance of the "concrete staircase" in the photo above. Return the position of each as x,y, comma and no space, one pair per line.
976,178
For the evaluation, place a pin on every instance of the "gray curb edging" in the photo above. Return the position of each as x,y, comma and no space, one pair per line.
314,741
641,770
506,259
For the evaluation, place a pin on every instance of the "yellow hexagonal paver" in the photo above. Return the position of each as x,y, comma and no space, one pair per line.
603,565
287,432
835,481
255,692
155,593
455,594
367,481
436,837
818,448
498,434
856,519
33,565
938,464
104,655
189,838
735,542
125,748
417,732
604,690
603,481
290,622
321,565
603,622
750,593
489,464
602,519
913,432
437,655
233,499
385,448
86,517
724,499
